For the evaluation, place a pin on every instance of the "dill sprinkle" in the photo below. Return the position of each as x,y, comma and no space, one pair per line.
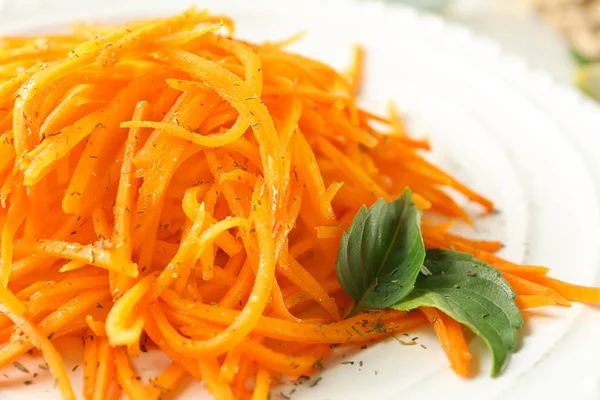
159,387
359,332
20,367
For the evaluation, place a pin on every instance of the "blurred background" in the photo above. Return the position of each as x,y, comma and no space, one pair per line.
561,37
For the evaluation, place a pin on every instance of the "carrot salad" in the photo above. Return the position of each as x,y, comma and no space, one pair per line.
166,186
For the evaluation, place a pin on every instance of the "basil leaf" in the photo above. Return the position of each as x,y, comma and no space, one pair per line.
474,294
381,254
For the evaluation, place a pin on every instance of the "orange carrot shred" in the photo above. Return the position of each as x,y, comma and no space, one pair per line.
583,294
452,339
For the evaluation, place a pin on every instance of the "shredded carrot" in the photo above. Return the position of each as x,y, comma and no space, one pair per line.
452,339
106,369
126,376
583,294
97,327
261,385
524,286
329,232
356,75
396,121
11,306
209,368
166,185
90,365
230,366
526,301
166,381
124,199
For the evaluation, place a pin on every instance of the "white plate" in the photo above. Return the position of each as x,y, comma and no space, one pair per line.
509,132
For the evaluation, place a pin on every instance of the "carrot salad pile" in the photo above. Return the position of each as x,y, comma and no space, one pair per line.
166,186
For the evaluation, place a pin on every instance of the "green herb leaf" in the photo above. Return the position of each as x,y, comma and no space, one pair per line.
579,58
381,254
474,294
